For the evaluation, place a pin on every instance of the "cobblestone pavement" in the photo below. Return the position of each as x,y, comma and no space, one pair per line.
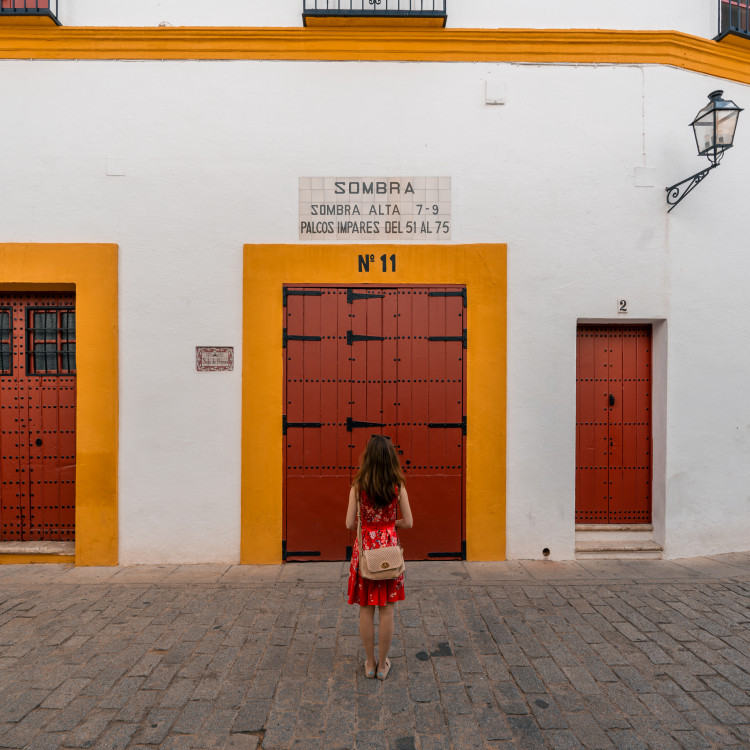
597,654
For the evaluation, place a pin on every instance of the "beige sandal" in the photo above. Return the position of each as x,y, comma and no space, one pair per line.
370,671
382,675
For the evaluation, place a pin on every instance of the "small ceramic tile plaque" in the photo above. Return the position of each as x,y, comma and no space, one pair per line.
214,358
375,209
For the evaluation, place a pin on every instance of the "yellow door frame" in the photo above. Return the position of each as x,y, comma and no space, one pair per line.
90,270
481,268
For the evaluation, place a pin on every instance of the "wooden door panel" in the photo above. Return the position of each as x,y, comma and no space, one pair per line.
37,416
613,424
374,364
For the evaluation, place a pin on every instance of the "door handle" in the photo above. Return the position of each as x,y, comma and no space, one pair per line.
611,400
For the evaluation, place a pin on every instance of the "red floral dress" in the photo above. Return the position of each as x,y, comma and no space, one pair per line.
378,530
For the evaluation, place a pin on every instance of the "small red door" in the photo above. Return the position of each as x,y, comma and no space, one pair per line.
363,361
37,417
613,425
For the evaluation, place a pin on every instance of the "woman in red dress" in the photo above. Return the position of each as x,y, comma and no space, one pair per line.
378,490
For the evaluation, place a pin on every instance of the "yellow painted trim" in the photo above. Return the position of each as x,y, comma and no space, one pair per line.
92,271
28,21
374,22
28,559
722,59
482,268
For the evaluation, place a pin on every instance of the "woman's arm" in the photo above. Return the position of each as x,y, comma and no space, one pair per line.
406,521
351,511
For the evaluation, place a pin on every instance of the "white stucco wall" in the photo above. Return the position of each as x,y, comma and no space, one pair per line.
696,17
212,152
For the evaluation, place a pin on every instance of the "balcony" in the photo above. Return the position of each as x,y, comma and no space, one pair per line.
733,18
29,10
345,12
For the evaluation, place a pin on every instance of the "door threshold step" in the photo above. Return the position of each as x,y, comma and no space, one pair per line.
618,549
37,548
583,527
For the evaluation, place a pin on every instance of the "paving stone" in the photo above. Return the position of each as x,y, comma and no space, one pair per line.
252,716
435,742
157,724
627,740
65,693
45,741
588,731
22,733
21,704
526,733
546,713
279,730
243,742
429,718
720,708
562,740
87,732
582,680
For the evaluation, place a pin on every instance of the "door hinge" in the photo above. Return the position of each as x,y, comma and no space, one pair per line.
351,295
301,293
285,425
352,424
461,338
461,294
290,337
458,425
351,337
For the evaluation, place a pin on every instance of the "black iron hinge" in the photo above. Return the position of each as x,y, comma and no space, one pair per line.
351,295
458,425
351,424
461,294
301,293
286,425
290,337
351,337
461,338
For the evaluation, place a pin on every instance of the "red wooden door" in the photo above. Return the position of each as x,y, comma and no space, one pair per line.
613,424
37,417
364,361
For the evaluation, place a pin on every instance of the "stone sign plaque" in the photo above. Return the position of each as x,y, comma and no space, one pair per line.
214,358
375,209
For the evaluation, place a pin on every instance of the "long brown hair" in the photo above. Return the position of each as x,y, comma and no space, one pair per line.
379,471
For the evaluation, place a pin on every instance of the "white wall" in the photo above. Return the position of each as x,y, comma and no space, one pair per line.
212,153
696,17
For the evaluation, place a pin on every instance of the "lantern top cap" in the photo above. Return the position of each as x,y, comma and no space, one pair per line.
716,102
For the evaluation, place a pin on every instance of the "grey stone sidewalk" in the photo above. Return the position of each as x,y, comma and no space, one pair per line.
596,654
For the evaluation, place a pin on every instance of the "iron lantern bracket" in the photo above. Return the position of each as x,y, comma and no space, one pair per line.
676,192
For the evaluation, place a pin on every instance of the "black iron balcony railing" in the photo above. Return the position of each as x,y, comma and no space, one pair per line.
30,8
733,17
376,8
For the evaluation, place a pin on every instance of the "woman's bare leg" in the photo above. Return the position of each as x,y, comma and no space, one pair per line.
385,632
367,633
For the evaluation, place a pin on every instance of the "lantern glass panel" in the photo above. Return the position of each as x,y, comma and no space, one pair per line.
703,125
726,123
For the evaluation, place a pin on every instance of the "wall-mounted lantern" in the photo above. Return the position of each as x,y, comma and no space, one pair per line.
714,128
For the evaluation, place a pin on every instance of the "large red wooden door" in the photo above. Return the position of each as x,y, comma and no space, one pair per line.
613,425
37,417
361,361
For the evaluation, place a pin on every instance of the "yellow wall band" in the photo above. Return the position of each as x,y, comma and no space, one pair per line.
482,268
728,59
92,271
27,559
